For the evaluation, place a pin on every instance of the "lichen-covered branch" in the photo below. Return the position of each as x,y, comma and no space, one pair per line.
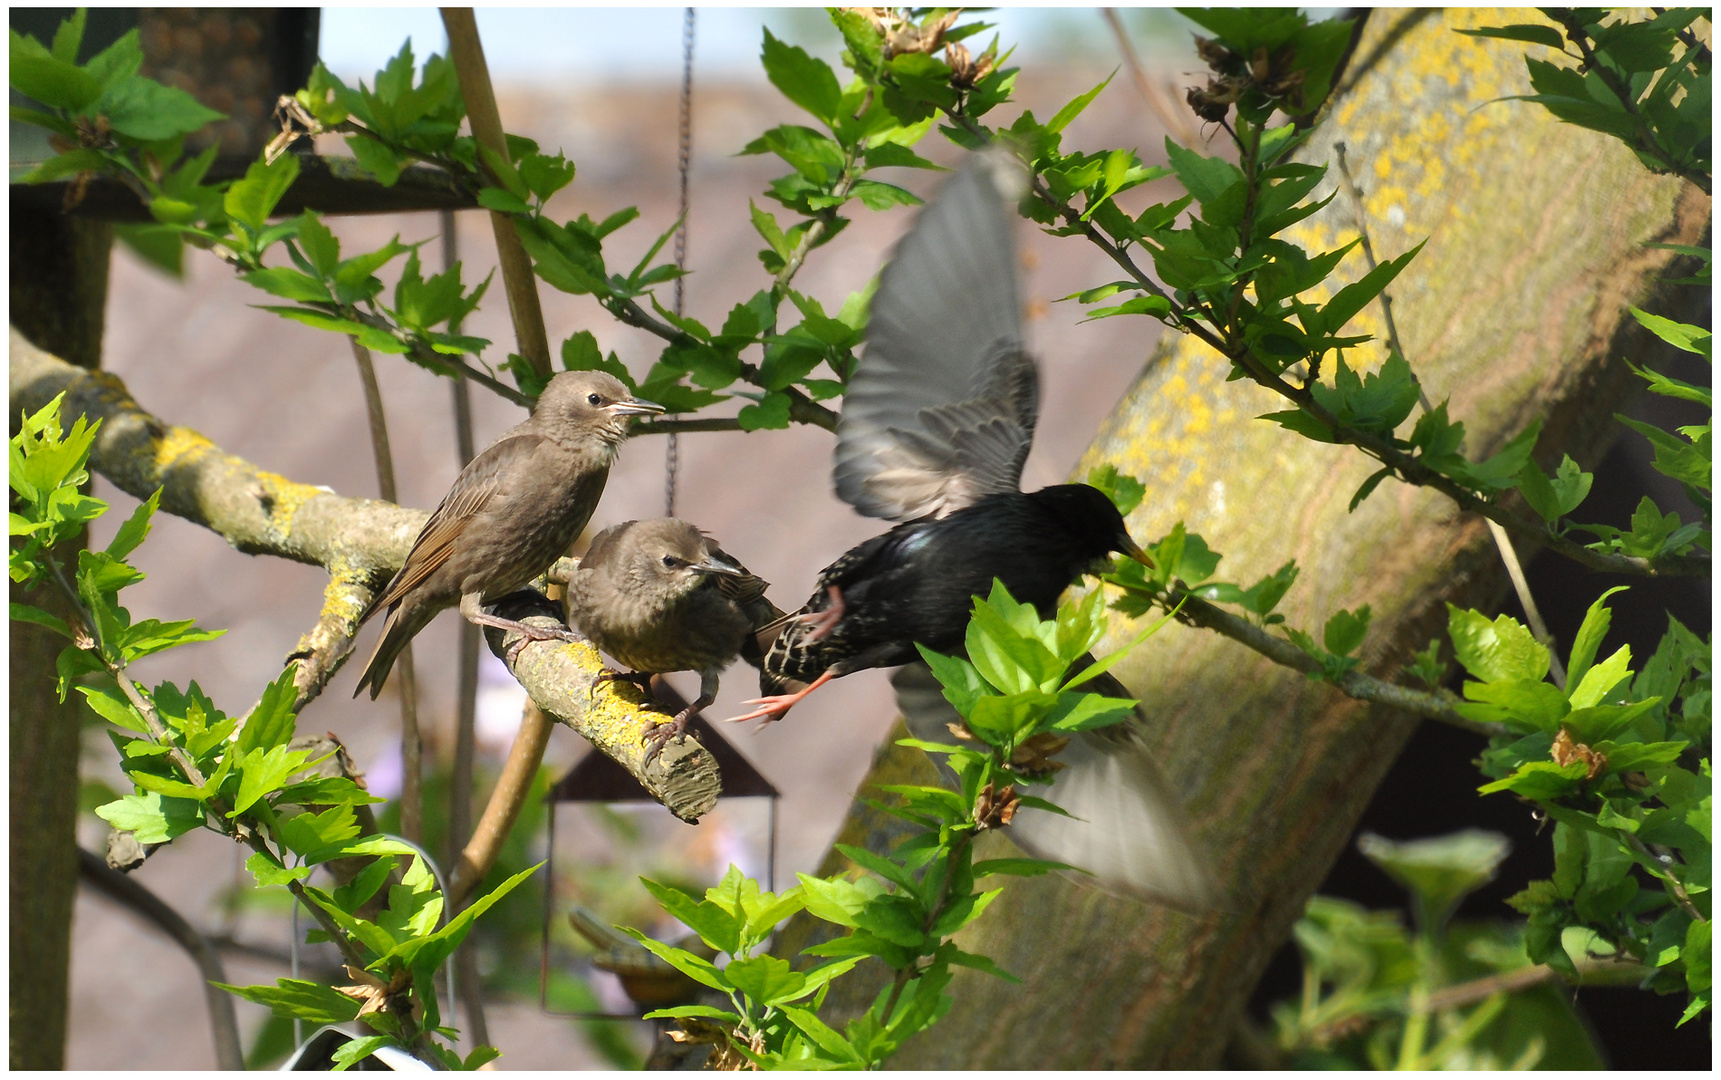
565,680
360,542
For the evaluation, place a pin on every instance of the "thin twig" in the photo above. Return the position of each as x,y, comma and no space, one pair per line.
1680,896
1429,706
466,695
503,810
1381,449
1502,542
229,1054
1590,973
1521,585
1646,141
802,409
1174,120
1354,193
411,745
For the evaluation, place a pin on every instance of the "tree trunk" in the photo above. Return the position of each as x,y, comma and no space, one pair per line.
59,288
1515,311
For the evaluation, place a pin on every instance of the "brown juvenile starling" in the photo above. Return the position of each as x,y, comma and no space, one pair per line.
513,510
936,424
660,596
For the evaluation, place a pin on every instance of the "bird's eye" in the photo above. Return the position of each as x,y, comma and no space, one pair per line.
594,399
671,561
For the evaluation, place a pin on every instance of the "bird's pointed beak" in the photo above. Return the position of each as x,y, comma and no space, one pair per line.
1133,550
713,565
635,407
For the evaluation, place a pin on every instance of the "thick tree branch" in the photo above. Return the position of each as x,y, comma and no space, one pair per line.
486,122
361,542
566,681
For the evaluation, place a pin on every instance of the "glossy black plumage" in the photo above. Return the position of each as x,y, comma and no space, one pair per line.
937,421
915,583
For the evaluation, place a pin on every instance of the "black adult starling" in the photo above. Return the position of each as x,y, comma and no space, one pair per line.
660,595
936,424
513,510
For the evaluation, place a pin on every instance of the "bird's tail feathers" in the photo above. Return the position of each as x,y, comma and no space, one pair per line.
1127,829
396,633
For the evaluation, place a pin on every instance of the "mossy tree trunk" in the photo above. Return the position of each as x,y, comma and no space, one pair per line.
1516,312
59,286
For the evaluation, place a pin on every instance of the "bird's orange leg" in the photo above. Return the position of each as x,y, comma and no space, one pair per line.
776,706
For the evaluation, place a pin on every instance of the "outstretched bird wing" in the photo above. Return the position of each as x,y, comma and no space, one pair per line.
940,410
477,484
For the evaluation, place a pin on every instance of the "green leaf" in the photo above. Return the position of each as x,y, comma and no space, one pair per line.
544,175
352,1052
1496,651
319,244
136,527
1520,704
67,164
261,772
880,196
251,200
147,111
502,201
153,818
1589,638
771,413
37,73
437,947
718,928
1344,631
301,1000
805,80
1687,462
1074,109
1354,297
698,969
1438,871
1203,177
1540,780
1125,492
767,980
289,284
1601,678
267,870
1533,33
69,36
1692,339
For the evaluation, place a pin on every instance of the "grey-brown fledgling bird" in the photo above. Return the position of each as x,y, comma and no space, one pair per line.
513,510
659,595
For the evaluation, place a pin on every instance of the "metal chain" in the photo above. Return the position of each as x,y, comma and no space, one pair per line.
672,453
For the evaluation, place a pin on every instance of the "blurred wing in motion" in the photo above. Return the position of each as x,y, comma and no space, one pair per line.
1127,829
941,407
